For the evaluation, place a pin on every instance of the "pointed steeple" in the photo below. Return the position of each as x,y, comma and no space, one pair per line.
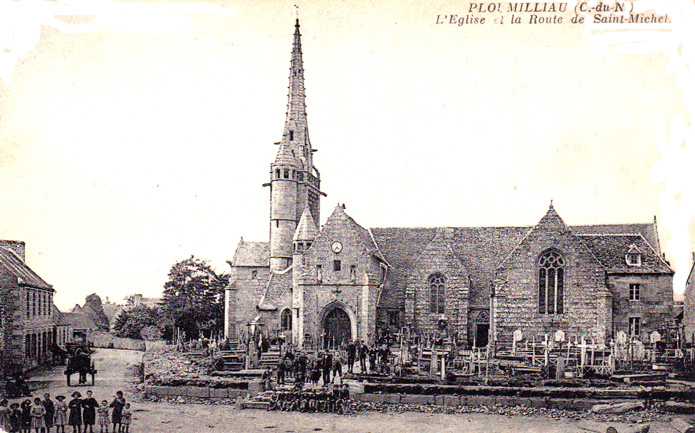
285,156
306,230
296,132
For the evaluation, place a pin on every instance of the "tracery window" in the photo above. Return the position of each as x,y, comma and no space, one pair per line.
551,282
437,286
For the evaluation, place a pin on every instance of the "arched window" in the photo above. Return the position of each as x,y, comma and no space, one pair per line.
286,320
551,282
437,285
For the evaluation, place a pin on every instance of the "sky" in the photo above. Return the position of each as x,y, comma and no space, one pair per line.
135,134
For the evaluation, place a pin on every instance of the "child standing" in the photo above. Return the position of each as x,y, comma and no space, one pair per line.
104,419
126,417
61,414
117,405
15,418
75,418
38,412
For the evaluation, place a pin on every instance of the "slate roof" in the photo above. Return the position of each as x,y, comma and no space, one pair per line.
648,231
306,229
611,249
79,321
482,250
251,254
19,269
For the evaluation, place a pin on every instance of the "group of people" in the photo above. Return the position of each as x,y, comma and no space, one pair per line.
332,399
378,356
328,366
42,415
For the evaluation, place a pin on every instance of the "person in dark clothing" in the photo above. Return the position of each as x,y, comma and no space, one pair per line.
26,416
326,366
89,414
15,418
337,367
75,417
50,411
372,359
281,372
117,405
301,368
363,357
351,351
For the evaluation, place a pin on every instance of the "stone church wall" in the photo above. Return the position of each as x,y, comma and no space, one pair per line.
437,258
653,307
516,287
248,289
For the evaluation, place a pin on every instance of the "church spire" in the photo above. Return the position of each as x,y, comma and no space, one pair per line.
296,132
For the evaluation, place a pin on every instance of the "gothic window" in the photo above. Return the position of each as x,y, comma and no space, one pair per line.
336,265
634,292
319,273
437,286
286,174
291,135
286,320
353,273
254,274
551,282
300,175
277,173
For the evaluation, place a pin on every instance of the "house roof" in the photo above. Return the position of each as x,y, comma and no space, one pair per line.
19,269
251,254
611,250
79,321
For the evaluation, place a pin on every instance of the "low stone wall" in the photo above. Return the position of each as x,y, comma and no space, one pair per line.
110,341
480,400
193,391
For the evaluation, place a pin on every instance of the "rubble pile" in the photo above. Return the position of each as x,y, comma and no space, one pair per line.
166,366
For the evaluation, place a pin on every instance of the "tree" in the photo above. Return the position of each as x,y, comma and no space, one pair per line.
194,296
130,323
95,310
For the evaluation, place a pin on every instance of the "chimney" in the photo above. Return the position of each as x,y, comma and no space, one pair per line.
17,247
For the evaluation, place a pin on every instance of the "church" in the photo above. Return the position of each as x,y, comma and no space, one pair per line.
325,285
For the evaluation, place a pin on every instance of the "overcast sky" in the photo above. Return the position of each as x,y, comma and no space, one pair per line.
134,139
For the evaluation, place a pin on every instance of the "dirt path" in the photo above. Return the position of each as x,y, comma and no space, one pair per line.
115,372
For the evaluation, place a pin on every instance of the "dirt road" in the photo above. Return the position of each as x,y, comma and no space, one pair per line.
116,372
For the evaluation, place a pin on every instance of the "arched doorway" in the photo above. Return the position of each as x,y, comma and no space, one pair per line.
336,328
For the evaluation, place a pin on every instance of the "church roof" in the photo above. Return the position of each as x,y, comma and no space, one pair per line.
611,250
480,250
306,230
483,249
648,231
362,234
19,269
251,254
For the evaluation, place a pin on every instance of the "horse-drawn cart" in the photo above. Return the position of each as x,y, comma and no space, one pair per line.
80,361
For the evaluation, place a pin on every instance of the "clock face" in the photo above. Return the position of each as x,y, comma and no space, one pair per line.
337,247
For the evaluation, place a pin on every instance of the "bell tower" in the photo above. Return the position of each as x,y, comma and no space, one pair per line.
294,181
